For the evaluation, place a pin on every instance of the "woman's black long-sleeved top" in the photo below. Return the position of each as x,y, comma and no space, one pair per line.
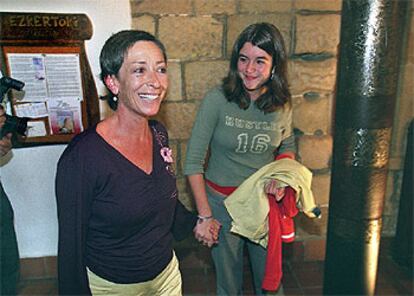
113,217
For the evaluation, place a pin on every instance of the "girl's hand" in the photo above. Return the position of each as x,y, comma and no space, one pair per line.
273,188
214,230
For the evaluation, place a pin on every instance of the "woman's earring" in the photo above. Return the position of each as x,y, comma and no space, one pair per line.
115,98
273,74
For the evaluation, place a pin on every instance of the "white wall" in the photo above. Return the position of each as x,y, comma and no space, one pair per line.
28,178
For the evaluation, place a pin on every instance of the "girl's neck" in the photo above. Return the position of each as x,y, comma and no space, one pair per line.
256,93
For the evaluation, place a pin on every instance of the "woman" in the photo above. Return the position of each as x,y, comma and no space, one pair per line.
244,123
115,186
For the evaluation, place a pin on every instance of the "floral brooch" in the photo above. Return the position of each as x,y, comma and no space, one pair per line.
166,154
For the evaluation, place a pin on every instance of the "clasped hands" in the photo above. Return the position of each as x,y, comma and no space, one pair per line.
207,231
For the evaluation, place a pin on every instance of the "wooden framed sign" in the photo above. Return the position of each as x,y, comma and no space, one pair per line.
47,53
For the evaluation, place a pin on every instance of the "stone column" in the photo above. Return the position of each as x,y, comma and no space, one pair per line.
370,45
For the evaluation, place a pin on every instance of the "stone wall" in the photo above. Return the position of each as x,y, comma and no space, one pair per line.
404,113
199,34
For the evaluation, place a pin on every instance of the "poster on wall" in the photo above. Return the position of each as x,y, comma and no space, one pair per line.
65,117
53,90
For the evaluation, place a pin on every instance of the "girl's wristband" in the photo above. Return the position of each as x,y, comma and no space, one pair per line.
201,219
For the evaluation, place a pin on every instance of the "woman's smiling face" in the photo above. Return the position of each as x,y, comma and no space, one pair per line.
254,66
142,81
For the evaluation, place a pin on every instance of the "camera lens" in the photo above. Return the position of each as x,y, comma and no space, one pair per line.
14,124
21,125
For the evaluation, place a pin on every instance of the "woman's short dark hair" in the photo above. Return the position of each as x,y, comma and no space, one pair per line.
114,51
268,38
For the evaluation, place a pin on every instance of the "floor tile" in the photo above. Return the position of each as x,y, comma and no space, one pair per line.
38,287
289,279
308,274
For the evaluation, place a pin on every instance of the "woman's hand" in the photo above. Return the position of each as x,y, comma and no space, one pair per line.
207,231
273,188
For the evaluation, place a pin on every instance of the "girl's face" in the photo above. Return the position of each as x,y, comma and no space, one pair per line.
142,81
254,66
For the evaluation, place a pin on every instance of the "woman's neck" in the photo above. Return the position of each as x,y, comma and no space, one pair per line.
122,124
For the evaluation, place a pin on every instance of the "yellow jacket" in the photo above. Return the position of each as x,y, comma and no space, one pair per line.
248,205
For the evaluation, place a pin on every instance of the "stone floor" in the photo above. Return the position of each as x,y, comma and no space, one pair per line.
300,277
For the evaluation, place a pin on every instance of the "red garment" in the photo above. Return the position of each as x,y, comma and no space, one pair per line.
281,228
226,190
283,155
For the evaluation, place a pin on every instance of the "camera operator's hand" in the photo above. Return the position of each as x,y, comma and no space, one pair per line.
5,142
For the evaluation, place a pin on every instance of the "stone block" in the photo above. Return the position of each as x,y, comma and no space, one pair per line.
184,193
182,185
318,5
237,23
144,23
408,83
313,117
191,38
389,197
393,192
174,148
215,6
178,119
307,76
202,76
321,185
410,45
183,151
187,200
395,163
294,252
317,33
404,112
389,225
175,82
160,6
314,250
315,152
265,6
312,226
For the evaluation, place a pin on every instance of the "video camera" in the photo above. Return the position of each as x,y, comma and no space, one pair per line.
13,124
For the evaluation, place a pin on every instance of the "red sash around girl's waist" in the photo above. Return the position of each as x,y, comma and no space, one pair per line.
225,190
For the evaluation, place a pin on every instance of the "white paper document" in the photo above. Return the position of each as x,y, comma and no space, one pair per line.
53,90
